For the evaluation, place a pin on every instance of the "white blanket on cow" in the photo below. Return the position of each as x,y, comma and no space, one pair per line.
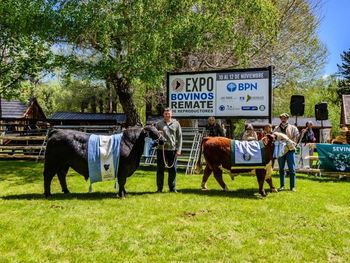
103,157
247,153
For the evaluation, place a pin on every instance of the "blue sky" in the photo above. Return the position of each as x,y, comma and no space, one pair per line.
334,31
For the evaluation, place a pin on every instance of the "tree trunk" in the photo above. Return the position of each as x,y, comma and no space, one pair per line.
125,92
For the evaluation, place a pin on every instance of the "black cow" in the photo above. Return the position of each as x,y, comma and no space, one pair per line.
68,148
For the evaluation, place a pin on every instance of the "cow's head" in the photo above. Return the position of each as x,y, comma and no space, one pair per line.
269,139
154,134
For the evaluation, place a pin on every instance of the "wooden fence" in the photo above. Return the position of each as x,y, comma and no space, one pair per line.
22,147
31,144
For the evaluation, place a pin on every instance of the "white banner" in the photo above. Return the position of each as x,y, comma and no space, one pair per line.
245,93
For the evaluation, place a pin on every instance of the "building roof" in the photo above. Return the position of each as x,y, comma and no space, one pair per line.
78,116
13,109
301,122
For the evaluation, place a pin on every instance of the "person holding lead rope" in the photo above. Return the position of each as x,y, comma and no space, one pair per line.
167,154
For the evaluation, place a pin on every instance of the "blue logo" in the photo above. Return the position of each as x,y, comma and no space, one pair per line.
243,86
249,108
222,108
231,87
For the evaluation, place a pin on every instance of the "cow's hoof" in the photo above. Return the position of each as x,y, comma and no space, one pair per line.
225,189
47,195
232,176
263,194
66,192
274,190
204,186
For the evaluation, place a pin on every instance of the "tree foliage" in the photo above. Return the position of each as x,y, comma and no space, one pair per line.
344,73
130,45
291,44
128,42
22,56
298,54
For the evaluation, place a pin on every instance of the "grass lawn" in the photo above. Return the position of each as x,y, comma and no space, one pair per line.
310,225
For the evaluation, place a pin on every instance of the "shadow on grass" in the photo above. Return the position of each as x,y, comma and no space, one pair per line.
323,179
250,193
20,172
320,179
240,193
62,196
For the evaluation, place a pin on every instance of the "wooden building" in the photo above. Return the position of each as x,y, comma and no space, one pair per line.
19,117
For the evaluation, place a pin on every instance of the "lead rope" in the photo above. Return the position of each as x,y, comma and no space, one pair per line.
301,137
165,163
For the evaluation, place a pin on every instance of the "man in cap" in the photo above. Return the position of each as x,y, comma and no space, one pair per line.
293,134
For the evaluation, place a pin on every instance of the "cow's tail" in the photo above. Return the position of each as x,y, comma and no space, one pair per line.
199,160
49,144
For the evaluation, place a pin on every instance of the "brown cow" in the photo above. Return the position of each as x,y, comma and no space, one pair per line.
216,151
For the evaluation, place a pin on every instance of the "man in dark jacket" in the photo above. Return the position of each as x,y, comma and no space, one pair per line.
308,133
213,129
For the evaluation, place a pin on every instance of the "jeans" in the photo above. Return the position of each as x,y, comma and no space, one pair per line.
170,157
289,157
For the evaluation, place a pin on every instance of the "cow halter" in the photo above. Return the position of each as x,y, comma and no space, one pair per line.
165,163
158,139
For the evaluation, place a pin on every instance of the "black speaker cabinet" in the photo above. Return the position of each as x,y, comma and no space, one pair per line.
297,105
321,111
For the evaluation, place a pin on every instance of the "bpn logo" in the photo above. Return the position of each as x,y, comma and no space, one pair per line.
222,108
231,87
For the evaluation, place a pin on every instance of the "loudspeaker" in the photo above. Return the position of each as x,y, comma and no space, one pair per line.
297,105
321,111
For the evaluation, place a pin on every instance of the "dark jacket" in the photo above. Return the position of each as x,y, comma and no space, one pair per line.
214,130
309,136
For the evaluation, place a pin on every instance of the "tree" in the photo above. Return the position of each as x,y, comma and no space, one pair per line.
132,44
22,56
344,73
292,46
137,42
297,54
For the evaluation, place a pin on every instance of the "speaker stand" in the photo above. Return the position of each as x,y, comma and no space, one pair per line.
296,121
321,132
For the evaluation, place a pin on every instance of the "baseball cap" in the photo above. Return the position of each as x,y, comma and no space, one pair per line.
284,115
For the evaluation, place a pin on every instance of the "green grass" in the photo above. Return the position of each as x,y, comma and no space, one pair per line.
311,225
